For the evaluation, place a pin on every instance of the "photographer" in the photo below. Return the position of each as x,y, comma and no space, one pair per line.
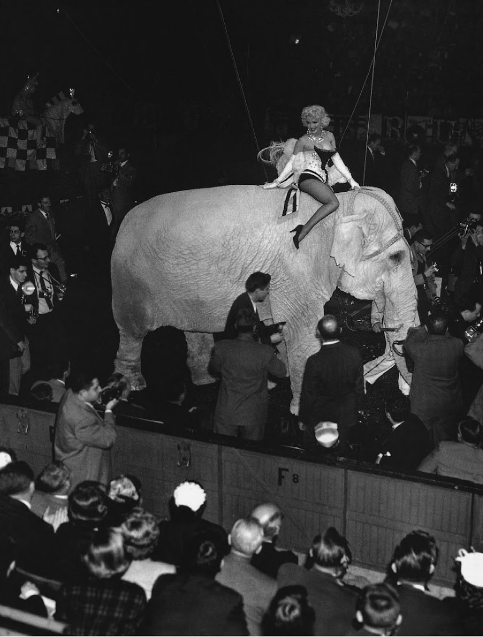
468,258
423,272
82,437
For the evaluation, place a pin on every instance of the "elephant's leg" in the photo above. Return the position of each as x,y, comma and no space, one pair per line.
128,359
199,352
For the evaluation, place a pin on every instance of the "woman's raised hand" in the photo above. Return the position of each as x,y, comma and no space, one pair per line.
353,184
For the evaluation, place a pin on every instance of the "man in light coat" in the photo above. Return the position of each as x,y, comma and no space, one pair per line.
82,437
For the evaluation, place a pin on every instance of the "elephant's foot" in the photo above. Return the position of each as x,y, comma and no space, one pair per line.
128,360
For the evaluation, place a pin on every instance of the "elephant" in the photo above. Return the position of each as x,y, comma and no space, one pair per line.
181,258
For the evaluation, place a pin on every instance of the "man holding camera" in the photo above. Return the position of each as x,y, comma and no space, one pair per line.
82,438
244,366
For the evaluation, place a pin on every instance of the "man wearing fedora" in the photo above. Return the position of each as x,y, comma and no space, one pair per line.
332,388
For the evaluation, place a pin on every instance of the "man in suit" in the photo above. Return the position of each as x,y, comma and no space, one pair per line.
122,187
412,566
333,380
374,153
462,459
244,365
24,537
256,588
257,288
435,389
101,219
191,602
13,244
408,441
14,321
442,211
47,335
333,601
40,228
409,199
82,437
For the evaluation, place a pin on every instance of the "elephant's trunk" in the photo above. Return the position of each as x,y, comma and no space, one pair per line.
400,310
128,359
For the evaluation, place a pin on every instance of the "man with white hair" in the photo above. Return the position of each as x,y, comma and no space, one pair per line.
256,588
269,559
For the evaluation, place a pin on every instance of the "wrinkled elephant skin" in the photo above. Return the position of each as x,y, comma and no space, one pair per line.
181,259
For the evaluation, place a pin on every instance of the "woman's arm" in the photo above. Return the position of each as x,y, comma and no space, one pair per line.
344,171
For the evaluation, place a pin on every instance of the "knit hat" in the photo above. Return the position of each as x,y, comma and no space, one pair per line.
189,494
471,567
326,434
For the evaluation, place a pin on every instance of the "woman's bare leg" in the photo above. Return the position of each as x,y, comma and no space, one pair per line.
323,193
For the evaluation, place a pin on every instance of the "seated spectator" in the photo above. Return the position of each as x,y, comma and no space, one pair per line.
41,392
57,373
51,489
87,510
104,604
256,588
269,559
191,602
378,610
408,440
469,592
7,455
141,532
124,493
289,613
24,537
186,508
326,565
462,459
410,570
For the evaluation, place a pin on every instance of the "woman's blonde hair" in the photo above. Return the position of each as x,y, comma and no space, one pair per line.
315,111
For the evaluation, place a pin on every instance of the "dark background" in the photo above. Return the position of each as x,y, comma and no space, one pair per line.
161,76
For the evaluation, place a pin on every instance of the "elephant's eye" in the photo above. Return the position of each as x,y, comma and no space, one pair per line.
396,257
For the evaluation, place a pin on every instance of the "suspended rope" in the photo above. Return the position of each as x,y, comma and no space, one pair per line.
371,91
370,68
83,35
240,83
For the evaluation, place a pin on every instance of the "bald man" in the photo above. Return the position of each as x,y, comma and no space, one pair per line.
256,588
332,385
269,559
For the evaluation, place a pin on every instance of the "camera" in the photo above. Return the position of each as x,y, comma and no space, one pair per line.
113,392
273,329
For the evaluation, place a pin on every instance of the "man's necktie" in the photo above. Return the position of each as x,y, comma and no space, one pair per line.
45,292
18,249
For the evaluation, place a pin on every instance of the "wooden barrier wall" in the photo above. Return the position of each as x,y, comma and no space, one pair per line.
373,508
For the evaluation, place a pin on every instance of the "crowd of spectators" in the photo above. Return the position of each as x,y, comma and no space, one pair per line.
111,567
94,558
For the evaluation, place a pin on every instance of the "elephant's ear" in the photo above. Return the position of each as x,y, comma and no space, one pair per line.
348,243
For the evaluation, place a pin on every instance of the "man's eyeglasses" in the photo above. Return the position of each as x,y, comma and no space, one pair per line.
425,245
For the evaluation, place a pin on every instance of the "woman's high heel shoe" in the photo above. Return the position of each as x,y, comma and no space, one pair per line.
297,232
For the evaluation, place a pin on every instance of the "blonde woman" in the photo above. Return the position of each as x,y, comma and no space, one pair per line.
309,165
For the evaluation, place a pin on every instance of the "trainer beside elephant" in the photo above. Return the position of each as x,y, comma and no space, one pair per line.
182,257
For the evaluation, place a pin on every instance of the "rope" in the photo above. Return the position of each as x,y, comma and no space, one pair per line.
240,84
368,73
83,35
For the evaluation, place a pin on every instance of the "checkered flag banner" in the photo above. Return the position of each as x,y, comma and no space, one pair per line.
19,147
